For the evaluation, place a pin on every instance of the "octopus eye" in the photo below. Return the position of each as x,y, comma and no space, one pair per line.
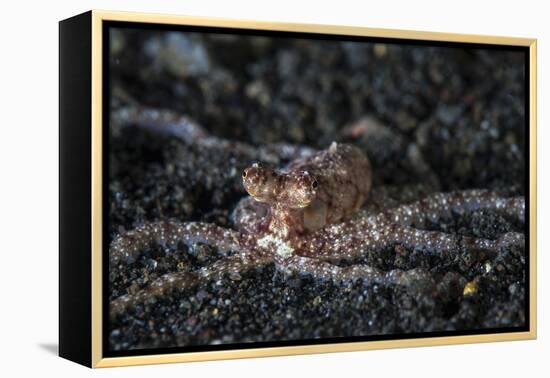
244,174
314,184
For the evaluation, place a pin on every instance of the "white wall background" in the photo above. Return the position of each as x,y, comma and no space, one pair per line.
29,189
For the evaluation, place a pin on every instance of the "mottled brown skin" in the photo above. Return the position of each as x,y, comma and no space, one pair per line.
324,188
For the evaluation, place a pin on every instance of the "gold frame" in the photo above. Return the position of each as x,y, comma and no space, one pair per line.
99,16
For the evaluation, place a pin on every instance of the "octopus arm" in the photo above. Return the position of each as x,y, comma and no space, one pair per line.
250,216
360,241
128,246
439,205
158,288
354,239
325,271
346,241
230,266
158,122
170,123
439,242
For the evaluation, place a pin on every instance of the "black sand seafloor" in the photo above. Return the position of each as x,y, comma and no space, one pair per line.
462,107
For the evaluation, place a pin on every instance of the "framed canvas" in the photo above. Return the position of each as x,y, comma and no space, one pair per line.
235,189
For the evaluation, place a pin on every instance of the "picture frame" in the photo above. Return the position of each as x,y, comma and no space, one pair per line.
85,112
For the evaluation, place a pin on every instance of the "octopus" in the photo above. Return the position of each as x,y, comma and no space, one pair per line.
318,215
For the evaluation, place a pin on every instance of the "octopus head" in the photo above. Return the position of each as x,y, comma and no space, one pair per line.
261,182
292,190
299,190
